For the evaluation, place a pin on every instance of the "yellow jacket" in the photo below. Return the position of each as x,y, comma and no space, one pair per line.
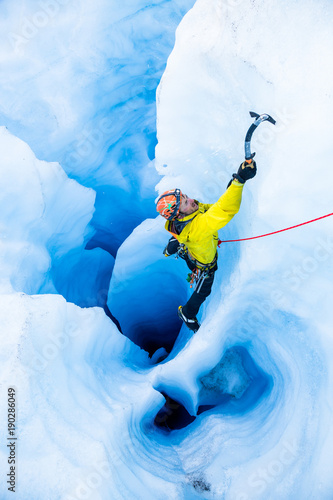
200,235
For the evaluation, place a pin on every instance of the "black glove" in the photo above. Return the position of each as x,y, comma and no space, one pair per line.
246,171
171,247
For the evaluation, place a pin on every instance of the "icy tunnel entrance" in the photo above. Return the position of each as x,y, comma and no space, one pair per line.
121,268
234,386
146,289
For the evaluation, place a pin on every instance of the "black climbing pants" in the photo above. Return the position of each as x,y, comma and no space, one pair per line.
191,308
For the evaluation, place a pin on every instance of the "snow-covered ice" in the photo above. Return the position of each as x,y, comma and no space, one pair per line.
243,409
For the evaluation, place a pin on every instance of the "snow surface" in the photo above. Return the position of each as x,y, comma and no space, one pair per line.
78,176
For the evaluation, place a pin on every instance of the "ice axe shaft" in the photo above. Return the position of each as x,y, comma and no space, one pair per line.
258,119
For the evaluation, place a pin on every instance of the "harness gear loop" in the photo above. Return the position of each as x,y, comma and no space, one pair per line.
198,276
200,272
201,266
203,274
183,253
192,277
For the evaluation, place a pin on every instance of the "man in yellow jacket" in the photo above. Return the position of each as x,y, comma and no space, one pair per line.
194,227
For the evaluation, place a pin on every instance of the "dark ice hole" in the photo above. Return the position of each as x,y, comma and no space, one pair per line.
234,386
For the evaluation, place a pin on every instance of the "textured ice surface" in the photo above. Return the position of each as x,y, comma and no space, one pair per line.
94,411
44,216
80,81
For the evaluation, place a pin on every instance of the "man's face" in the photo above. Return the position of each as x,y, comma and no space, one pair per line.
187,205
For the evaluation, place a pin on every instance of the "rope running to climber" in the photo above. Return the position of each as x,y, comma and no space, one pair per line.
279,231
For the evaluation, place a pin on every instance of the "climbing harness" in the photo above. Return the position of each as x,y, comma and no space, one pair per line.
200,271
198,276
203,274
201,278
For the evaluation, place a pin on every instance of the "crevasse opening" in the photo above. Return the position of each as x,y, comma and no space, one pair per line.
233,387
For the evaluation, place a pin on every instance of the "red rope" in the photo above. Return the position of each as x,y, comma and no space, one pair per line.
280,230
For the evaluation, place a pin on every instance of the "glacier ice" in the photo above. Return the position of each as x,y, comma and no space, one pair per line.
87,80
243,409
44,216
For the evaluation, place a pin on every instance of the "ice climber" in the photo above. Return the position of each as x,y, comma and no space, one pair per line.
193,226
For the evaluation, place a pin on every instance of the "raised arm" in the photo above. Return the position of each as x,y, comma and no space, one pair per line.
221,212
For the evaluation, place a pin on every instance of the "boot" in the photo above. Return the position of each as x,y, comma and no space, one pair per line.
191,323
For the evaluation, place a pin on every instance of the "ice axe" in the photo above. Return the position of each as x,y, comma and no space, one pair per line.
257,121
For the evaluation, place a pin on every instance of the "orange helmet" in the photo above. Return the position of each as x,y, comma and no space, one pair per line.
168,204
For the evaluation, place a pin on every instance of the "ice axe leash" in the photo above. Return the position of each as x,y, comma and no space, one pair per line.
258,119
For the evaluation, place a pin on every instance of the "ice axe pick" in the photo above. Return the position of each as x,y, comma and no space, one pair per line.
258,119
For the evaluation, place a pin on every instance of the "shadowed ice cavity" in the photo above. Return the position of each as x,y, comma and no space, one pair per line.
146,288
234,386
83,276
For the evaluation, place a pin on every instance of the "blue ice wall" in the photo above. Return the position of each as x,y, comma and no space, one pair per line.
107,141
